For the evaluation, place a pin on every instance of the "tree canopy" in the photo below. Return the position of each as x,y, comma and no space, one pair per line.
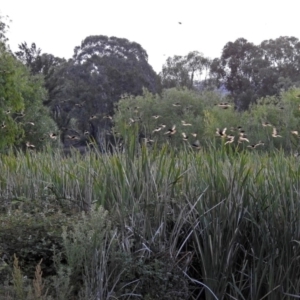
100,72
184,71
250,72
82,92
23,116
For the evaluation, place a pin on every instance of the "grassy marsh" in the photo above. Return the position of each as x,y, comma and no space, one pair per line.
166,224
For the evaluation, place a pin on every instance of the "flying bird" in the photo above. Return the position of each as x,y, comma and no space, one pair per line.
230,139
185,137
185,124
196,144
275,133
221,133
73,137
53,135
253,146
80,105
30,146
243,138
295,132
265,124
131,121
157,129
172,130
223,105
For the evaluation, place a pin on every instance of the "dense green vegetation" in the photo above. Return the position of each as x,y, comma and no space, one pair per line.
23,116
197,115
80,92
159,225
185,185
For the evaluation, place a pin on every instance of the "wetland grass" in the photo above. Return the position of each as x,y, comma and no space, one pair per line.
213,223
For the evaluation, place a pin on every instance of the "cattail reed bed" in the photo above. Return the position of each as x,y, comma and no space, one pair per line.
152,224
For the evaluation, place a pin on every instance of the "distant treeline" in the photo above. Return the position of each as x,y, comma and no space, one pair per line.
72,101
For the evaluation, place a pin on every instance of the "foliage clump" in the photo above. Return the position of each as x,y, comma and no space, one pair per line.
23,117
199,117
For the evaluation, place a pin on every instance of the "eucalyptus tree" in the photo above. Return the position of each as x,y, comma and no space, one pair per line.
47,65
184,71
250,71
84,89
283,56
3,28
238,68
102,70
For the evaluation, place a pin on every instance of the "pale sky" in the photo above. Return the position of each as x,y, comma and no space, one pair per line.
58,26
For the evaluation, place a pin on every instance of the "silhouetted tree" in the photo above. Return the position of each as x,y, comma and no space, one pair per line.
283,56
184,71
3,28
101,71
250,72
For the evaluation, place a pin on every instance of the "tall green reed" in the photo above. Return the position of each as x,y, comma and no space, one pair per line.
227,220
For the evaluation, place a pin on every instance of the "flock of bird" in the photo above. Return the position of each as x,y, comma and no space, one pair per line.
222,133
228,138
20,115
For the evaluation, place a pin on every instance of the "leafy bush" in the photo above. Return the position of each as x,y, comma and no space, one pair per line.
142,117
